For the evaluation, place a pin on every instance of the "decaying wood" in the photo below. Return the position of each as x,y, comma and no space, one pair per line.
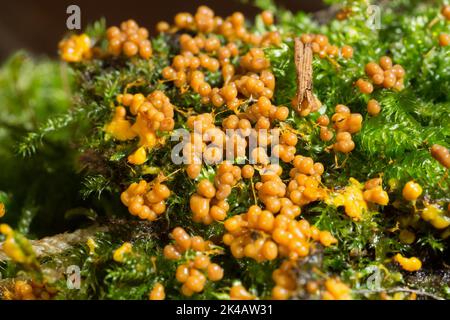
60,242
303,62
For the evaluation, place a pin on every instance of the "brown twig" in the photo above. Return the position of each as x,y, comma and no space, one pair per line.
303,62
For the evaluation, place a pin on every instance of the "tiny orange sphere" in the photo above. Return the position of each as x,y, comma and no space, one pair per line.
267,17
444,39
347,52
445,11
130,49
364,86
157,292
215,272
373,107
411,191
385,62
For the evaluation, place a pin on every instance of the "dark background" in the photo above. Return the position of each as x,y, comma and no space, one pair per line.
37,26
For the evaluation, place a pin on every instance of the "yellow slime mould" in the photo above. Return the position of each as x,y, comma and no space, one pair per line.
351,197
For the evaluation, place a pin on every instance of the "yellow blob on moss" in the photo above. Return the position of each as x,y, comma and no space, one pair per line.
76,48
336,290
147,136
119,254
17,247
351,197
376,195
436,216
408,264
119,127
91,245
138,157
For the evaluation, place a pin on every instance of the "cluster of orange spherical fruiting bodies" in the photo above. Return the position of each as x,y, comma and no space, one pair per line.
75,48
254,60
256,85
305,179
325,133
373,107
209,53
345,124
336,290
203,130
441,154
152,113
259,154
238,129
344,121
232,27
157,293
364,86
259,235
196,149
286,149
156,109
210,202
203,20
284,280
312,287
30,290
263,112
245,240
145,200
183,243
374,192
227,175
272,191
344,142
195,272
383,74
184,70
130,40
321,46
